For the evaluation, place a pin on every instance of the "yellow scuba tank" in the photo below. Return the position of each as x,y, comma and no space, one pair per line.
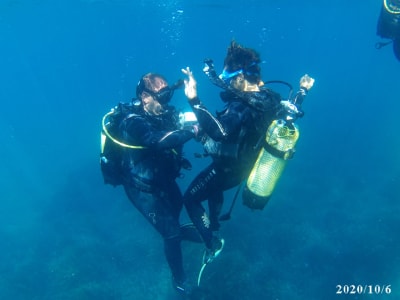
279,146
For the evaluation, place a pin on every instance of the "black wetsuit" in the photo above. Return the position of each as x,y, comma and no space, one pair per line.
231,140
389,25
150,173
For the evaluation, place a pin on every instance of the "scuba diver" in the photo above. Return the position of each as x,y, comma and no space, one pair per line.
232,138
142,146
388,26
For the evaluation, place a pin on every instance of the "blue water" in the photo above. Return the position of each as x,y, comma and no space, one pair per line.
333,219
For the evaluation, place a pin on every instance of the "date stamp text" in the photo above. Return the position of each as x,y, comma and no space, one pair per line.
363,289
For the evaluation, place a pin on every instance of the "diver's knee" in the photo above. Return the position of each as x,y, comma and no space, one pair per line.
171,240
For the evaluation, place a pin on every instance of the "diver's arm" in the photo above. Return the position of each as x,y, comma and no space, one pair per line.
208,123
175,138
141,132
306,83
292,107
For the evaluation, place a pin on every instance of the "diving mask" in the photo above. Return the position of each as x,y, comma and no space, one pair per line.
227,76
164,95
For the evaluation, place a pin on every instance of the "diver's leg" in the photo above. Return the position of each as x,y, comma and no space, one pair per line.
174,200
215,202
156,208
199,190
173,254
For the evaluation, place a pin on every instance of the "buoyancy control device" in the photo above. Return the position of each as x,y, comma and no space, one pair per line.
111,147
277,148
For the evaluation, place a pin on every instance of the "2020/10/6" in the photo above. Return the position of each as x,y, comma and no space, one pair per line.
352,289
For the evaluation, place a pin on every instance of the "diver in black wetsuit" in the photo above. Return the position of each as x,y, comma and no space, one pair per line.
388,26
230,138
149,171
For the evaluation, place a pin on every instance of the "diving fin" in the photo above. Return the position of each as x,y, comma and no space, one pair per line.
200,273
190,233
209,256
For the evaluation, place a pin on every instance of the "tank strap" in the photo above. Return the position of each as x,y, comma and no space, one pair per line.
278,153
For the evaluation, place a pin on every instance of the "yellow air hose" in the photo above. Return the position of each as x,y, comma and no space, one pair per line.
105,131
